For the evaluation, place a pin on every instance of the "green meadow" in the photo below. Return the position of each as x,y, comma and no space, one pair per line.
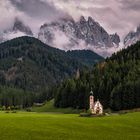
49,126
49,107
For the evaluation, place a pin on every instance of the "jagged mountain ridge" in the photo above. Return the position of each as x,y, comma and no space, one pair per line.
115,39
84,33
132,37
18,29
19,26
67,34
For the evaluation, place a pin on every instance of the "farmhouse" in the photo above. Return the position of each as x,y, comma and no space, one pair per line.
95,107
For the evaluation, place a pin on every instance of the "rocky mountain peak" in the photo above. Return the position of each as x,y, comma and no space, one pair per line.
129,36
115,39
18,29
132,37
68,34
19,26
91,21
82,20
138,29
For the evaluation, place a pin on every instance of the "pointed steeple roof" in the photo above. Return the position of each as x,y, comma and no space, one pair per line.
91,92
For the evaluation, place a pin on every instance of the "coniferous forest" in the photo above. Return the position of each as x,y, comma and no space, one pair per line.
31,71
115,82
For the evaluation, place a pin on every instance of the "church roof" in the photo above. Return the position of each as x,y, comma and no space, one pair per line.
98,102
91,92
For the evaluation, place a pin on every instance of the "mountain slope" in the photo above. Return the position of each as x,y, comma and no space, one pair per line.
86,57
29,64
132,37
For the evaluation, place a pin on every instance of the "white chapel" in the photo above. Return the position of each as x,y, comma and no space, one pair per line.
95,107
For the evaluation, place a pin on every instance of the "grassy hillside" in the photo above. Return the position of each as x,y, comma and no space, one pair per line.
38,126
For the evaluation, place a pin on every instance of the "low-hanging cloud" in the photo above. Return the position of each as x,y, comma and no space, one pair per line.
119,16
33,13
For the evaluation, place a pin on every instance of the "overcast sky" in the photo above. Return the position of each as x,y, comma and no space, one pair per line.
119,16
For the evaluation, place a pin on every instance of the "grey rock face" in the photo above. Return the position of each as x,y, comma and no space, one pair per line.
132,37
129,37
92,33
19,26
18,29
115,38
138,30
88,31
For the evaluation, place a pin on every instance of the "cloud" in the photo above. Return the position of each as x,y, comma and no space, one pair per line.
6,14
119,16
34,13
64,42
37,9
12,35
60,41
130,5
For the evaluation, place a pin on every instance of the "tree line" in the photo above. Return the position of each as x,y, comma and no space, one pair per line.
115,82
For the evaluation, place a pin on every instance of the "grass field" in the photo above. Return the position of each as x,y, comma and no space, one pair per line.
45,126
49,107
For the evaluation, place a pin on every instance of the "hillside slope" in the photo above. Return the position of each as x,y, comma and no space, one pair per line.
29,64
86,57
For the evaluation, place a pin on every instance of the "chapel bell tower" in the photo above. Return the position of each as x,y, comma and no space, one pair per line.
91,102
